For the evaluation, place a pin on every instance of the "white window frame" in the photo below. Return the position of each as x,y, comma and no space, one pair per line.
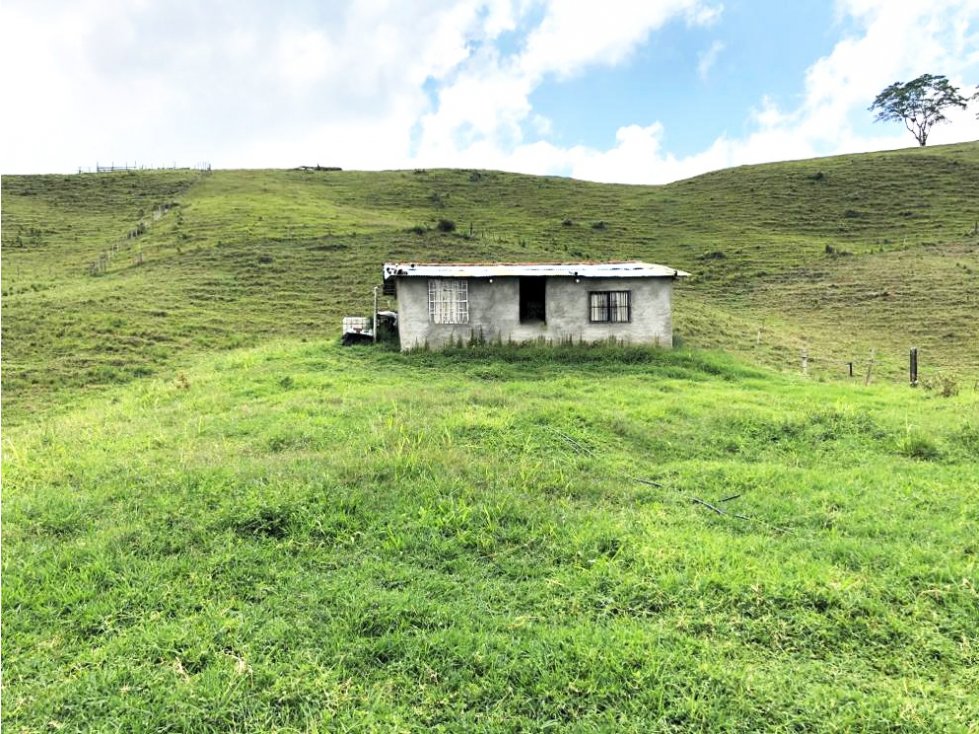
448,301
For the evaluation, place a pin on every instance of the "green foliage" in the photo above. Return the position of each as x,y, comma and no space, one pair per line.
915,445
309,538
967,438
920,103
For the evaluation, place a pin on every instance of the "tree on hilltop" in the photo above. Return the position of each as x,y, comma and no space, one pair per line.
919,103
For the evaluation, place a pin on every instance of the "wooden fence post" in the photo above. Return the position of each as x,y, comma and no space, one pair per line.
914,367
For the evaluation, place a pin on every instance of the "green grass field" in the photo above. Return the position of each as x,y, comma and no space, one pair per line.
217,519
839,256
298,537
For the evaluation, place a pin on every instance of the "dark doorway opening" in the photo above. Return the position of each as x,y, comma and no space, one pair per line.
532,299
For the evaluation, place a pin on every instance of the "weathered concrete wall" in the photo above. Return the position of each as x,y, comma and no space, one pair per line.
494,312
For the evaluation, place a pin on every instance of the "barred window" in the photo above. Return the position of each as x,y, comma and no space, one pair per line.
610,306
448,301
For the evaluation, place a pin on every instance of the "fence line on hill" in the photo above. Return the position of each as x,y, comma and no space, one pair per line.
857,369
100,265
202,166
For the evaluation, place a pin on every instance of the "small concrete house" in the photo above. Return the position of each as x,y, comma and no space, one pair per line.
440,304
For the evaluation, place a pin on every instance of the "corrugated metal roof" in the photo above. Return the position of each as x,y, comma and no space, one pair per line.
500,270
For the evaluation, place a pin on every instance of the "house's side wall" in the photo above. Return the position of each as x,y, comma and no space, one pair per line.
494,312
652,323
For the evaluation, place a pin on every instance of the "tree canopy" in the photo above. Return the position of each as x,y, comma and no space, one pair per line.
919,103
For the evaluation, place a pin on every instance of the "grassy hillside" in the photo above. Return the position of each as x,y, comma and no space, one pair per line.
291,536
839,256
299,538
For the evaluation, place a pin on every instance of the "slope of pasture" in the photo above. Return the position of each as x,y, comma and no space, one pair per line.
55,226
837,256
299,537
846,308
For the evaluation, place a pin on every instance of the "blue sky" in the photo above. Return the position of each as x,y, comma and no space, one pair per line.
703,74
618,90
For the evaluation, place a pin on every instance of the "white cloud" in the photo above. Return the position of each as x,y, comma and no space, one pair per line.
894,41
222,81
248,83
303,58
891,41
484,112
707,59
383,84
899,42
574,35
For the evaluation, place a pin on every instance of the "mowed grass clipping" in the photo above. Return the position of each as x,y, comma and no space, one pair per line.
299,537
